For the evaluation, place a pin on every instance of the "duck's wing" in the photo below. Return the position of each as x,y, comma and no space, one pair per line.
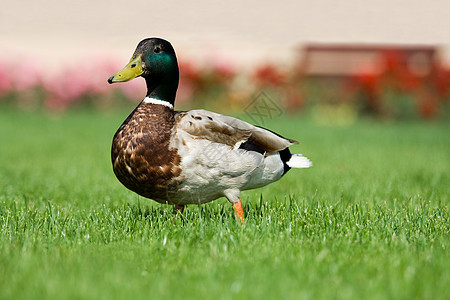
203,124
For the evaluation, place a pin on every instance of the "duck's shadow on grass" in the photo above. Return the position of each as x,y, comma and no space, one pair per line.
216,212
192,213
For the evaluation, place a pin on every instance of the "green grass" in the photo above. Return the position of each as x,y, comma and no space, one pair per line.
369,221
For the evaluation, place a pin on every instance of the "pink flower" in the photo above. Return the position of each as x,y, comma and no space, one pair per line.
26,75
5,78
134,89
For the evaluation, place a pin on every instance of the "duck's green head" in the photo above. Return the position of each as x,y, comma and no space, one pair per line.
155,60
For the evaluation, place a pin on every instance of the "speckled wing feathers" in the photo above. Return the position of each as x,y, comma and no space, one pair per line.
203,125
228,130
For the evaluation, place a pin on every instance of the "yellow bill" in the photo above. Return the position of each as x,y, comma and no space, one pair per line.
132,70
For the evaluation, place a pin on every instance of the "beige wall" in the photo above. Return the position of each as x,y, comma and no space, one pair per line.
56,32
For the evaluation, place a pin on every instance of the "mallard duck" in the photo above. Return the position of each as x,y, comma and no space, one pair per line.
190,157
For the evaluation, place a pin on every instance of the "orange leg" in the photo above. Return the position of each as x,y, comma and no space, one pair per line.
237,207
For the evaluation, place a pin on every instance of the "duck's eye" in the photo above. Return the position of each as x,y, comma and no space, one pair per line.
157,50
133,65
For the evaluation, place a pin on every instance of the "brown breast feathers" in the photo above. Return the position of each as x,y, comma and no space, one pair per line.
142,160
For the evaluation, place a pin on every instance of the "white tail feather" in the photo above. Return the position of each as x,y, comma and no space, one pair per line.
299,161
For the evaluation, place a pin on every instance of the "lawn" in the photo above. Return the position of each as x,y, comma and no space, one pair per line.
368,221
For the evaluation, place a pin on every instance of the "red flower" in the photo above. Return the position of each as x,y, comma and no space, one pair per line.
269,75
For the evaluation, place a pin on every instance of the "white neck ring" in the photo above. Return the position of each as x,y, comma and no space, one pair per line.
157,101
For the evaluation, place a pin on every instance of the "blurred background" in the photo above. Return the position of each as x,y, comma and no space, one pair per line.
336,61
363,85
